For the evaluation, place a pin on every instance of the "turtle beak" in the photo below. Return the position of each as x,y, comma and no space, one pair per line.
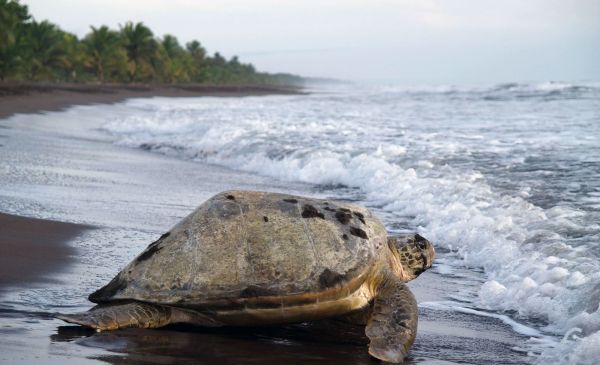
427,253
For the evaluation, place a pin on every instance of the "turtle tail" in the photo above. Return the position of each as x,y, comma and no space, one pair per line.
114,316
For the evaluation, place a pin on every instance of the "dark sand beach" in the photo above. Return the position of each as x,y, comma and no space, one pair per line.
36,97
130,196
32,249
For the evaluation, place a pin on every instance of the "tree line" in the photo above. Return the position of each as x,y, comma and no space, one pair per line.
41,51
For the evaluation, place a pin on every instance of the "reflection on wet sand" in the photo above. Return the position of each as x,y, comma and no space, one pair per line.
322,342
315,343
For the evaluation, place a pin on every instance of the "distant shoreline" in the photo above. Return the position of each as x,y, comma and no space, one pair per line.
29,97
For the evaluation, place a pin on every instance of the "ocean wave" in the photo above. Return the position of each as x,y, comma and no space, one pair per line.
549,90
533,264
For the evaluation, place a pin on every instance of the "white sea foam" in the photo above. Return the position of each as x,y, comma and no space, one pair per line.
472,184
574,349
516,326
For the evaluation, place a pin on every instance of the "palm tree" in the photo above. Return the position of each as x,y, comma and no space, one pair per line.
73,57
171,46
44,51
103,50
140,45
12,18
196,50
178,65
198,55
31,50
12,14
217,69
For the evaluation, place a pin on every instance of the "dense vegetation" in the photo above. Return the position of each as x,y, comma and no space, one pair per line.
41,51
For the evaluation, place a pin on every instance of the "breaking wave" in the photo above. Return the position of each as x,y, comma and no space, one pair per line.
551,90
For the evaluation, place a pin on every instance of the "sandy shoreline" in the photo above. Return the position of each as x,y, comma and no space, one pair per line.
37,97
31,249
60,166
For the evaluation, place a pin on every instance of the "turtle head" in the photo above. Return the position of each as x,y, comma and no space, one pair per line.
414,252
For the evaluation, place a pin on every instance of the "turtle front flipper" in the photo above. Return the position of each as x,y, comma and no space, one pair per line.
115,316
393,324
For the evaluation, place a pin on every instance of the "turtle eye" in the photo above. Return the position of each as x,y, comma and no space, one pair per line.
422,244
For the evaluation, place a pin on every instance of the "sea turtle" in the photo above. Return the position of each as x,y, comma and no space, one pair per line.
247,258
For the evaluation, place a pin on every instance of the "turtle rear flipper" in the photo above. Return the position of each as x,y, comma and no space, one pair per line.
115,316
393,324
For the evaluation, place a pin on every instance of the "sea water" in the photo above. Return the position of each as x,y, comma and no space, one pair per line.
505,178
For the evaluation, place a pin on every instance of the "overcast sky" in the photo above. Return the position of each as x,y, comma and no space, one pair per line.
411,41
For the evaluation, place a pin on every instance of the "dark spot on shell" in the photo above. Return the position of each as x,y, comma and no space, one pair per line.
326,203
360,216
345,210
108,291
308,211
159,240
329,209
358,232
345,236
343,217
152,249
293,201
329,279
265,218
230,197
253,291
148,253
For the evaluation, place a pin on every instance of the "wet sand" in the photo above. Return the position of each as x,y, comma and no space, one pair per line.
36,97
33,249
73,174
